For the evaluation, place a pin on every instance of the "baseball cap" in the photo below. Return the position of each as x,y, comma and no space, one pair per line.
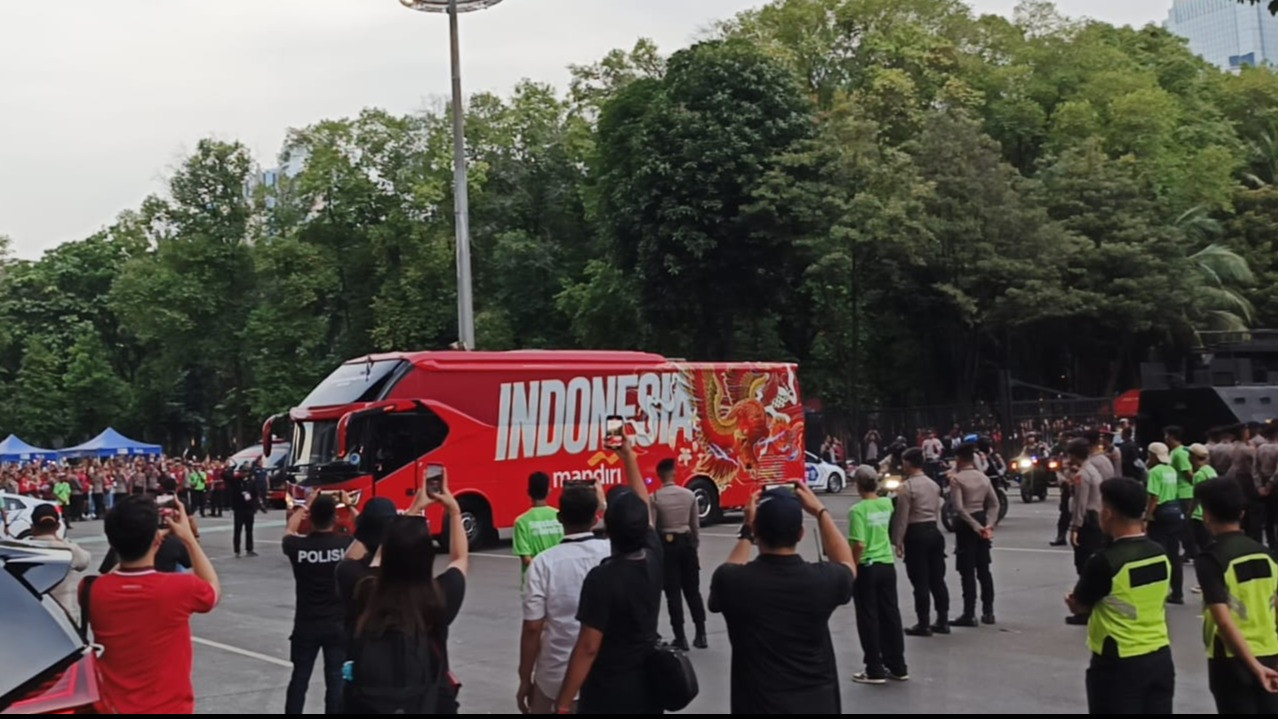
45,514
1199,450
778,520
371,525
1159,451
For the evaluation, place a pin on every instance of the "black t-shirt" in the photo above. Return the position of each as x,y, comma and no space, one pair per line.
239,488
1097,578
622,599
452,585
170,558
778,613
348,573
314,558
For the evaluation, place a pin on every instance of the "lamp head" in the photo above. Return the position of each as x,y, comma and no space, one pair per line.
442,5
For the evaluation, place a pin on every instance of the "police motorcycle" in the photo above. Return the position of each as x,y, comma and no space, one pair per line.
1034,470
995,470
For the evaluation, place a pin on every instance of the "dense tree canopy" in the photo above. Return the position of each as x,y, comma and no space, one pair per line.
902,196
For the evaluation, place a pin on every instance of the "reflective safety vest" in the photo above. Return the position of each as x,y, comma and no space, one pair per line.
1133,614
197,481
1252,581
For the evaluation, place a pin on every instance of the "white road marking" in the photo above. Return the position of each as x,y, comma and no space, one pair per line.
243,652
493,556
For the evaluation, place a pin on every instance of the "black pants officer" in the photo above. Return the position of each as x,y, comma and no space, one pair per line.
1090,541
683,581
1063,519
306,643
972,556
217,502
244,516
1253,519
925,566
1168,531
1137,685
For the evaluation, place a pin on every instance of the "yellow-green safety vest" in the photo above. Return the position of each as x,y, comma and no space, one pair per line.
1133,614
1252,581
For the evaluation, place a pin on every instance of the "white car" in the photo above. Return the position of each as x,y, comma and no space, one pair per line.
17,515
824,475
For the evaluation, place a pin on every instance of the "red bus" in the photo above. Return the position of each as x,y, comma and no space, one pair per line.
492,418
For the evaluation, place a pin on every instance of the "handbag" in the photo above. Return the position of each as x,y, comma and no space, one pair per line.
672,677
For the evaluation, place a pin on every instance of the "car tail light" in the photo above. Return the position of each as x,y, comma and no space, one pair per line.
74,691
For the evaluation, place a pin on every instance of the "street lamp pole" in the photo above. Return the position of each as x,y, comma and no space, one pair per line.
461,189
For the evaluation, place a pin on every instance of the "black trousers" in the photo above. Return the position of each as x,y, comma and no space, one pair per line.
972,557
683,581
1090,541
925,566
1236,689
1136,685
1063,519
243,522
1271,522
878,620
77,506
305,644
218,502
1253,520
1202,537
99,505
197,500
1168,534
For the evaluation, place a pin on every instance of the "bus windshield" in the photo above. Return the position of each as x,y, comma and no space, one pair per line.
353,382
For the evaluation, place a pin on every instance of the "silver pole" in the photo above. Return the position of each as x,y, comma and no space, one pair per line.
461,194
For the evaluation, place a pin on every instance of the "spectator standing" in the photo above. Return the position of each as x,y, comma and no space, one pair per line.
62,493
1164,514
873,445
618,610
920,543
119,486
1123,588
976,505
678,525
1239,581
402,617
221,476
44,528
538,529
97,492
878,618
778,607
141,617
198,482
1199,456
552,591
317,617
79,492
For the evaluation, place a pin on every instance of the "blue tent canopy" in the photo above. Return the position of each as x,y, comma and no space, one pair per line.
13,449
111,444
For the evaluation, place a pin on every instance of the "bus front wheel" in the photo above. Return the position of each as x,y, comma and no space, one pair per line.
707,495
476,519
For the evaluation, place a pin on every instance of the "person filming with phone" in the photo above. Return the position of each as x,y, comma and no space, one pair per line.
398,652
141,617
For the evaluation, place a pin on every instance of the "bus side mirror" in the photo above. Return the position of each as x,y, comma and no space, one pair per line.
269,433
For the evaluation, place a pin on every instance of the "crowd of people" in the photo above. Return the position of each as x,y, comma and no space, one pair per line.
595,567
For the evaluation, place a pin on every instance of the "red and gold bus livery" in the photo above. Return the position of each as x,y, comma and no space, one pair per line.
492,418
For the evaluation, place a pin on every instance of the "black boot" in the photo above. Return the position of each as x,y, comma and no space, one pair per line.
680,640
942,626
1058,542
699,640
919,630
967,620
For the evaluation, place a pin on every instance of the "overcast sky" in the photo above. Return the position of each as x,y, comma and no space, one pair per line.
100,99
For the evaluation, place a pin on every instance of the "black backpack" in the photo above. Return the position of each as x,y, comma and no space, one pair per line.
392,674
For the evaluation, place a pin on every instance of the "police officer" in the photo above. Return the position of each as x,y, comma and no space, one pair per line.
976,505
1240,587
1124,588
243,495
678,524
1084,527
921,544
318,617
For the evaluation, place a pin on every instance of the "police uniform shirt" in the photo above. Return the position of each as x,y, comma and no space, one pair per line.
1237,571
1126,585
314,558
675,508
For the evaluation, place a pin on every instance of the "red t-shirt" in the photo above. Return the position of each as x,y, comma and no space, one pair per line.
142,620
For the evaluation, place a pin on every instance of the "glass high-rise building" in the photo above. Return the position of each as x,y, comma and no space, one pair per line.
1226,33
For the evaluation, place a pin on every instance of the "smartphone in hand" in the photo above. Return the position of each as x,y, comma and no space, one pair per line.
434,479
614,432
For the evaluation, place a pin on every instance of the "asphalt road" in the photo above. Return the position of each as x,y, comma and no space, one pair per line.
1031,662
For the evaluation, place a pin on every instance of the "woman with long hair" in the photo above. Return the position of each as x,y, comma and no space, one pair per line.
399,647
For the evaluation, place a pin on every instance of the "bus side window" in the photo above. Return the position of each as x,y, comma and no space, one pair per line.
401,438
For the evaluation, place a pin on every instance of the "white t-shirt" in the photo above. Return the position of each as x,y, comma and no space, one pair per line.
932,449
552,588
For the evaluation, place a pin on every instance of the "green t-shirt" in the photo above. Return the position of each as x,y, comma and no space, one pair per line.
1203,474
1184,472
870,524
1163,484
537,530
62,491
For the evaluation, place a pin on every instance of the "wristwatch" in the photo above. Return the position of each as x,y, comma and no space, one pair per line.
746,533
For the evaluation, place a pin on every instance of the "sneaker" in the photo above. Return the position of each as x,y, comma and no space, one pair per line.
987,619
251,553
1076,620
237,555
918,630
863,678
1197,590
1175,600
902,677
967,620
941,628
